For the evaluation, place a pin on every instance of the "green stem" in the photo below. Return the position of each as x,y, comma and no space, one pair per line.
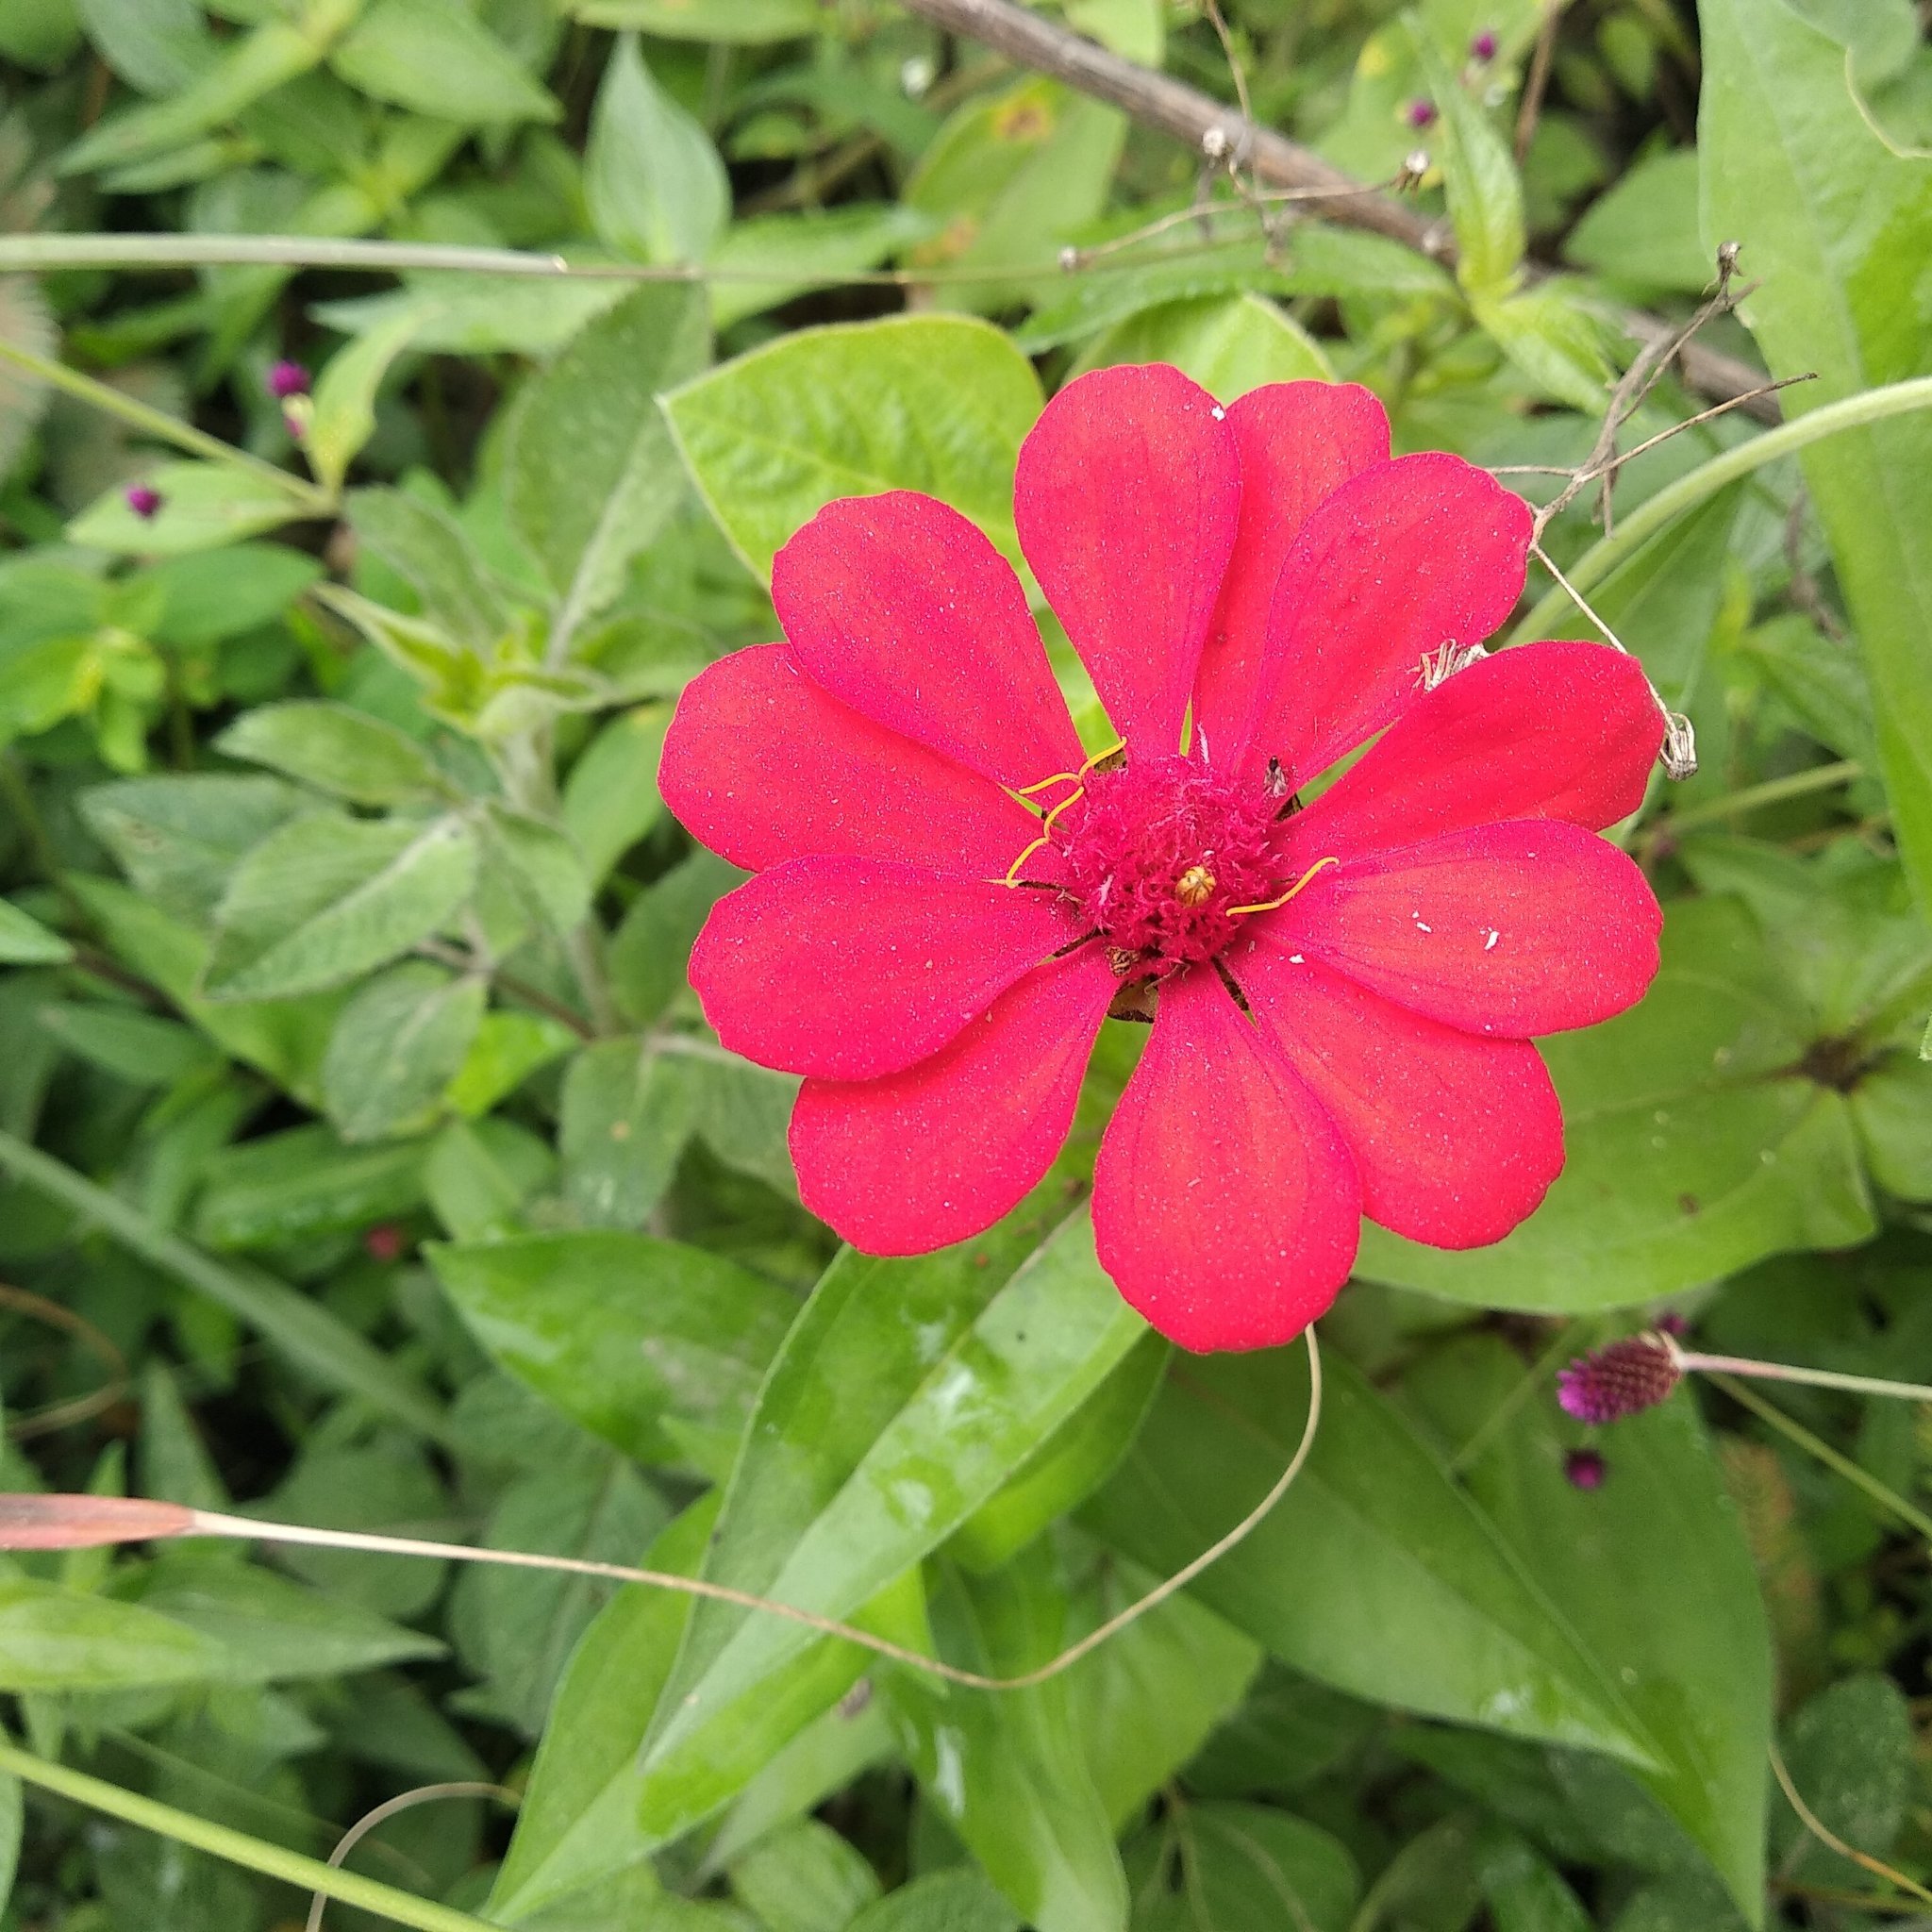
1772,791
1887,1498
159,424
304,1330
1472,1450
236,1847
1688,491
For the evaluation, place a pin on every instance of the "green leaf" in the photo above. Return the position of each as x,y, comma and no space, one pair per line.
1005,1768
207,597
335,749
265,1628
805,1877
627,1112
648,951
59,1640
1849,1753
203,506
1374,1573
138,1047
508,1047
1242,1867
24,941
435,56
652,1345
1641,233
656,187
611,799
952,1901
1555,340
780,256
1228,343
300,1184
931,402
544,861
325,899
478,1174
344,413
398,1044
1485,193
1696,1145
1652,1573
427,548
590,474
1837,225
748,23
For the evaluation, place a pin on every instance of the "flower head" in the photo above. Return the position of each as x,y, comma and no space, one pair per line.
1419,114
952,894
1624,1379
143,501
1585,1469
1483,46
286,379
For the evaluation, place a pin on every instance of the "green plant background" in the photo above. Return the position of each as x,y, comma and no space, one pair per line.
366,1162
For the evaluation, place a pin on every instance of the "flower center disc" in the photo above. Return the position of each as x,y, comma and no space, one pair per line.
1161,851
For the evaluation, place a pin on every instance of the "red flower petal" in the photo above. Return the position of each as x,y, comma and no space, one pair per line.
1128,494
1548,731
1298,442
1456,1138
1225,1205
1398,560
850,968
761,765
903,609
1515,929
936,1154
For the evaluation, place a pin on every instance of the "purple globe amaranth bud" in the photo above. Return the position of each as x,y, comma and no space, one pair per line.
1419,114
286,379
1624,1379
1585,1469
1483,47
143,501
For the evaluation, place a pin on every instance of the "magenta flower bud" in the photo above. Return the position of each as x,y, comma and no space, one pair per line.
142,500
1419,114
1672,1324
1624,1379
1484,47
286,379
1585,1469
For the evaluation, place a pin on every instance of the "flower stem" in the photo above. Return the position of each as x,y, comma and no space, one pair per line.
1883,1494
164,428
306,1332
236,1847
1812,1378
1643,523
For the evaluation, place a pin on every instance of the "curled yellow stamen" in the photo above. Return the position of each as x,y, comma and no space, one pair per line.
1079,791
1307,878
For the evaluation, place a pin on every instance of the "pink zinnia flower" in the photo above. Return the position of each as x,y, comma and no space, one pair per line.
951,895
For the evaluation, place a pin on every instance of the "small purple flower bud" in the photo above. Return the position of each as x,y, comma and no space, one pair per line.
1585,1469
1419,114
1624,1379
286,379
1484,47
1672,1324
145,502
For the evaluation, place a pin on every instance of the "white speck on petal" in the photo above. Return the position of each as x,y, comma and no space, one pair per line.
1296,959
1489,943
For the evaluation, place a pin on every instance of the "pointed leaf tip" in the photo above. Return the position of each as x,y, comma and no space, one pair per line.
79,1522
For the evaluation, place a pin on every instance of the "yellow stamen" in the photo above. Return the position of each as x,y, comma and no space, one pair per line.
1194,886
1307,878
1012,877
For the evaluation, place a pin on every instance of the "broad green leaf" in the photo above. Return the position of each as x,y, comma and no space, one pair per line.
1555,340
132,1045
591,474
302,1183
822,1759
1374,1573
1485,193
805,1877
1696,1145
344,413
768,260
651,1344
335,749
1524,1891
208,596
267,1629
479,1173
508,1048
626,1113
1228,343
544,861
611,798
1652,1573
399,1042
1837,226
1641,235
657,190
925,401
157,46
24,941
435,56
1849,1753
648,952
326,899
479,314
427,548
748,23
25,322
203,506
1223,1867
59,1640
958,1900
1005,1768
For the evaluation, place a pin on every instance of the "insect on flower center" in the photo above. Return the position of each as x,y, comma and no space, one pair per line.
1161,854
